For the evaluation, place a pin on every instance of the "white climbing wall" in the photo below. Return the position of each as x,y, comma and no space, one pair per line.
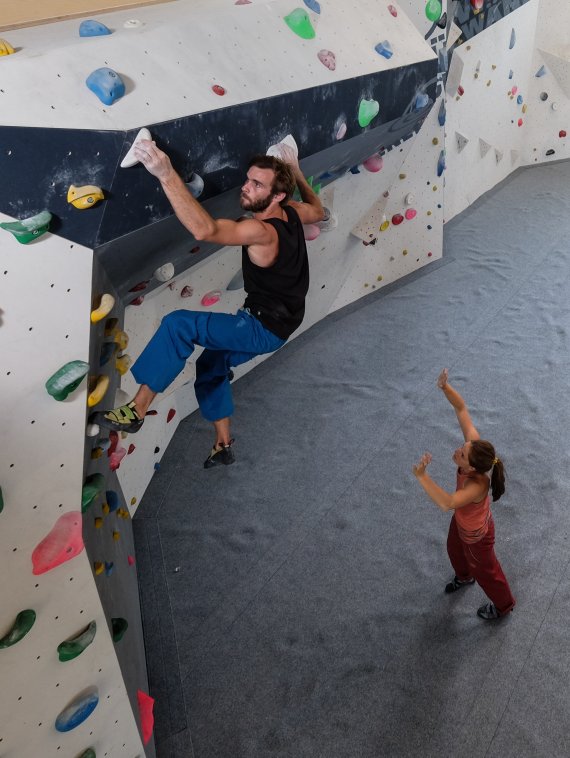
45,296
483,138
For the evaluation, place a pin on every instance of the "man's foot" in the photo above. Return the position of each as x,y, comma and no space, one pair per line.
456,584
220,455
122,419
488,612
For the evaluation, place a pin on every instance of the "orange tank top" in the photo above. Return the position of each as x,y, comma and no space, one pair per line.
473,519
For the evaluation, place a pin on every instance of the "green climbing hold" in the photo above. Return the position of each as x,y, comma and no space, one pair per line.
89,753
367,111
70,649
22,625
29,229
94,485
433,10
66,379
120,626
300,23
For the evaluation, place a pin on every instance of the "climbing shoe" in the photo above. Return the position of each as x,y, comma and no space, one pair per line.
122,419
488,612
220,455
456,584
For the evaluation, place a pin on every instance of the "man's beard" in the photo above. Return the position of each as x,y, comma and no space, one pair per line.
255,207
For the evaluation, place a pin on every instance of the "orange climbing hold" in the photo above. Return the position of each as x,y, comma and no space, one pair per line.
63,543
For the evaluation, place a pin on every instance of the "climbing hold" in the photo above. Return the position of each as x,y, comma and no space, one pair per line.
121,339
98,521
374,163
196,186
513,39
28,229
520,122
460,90
367,111
137,300
461,140
146,703
498,155
300,23
129,159
520,100
477,5
402,176
116,457
116,536
484,147
236,282
164,273
123,363
384,49
354,170
541,72
311,231
211,298
130,560
92,487
170,415
186,291
109,567
98,567
410,214
313,5
80,708
397,219
119,627
89,753
106,305
84,197
217,89
92,430
66,379
138,287
561,134
550,152
112,500
514,90
108,350
21,626
327,58
1,500
71,648
393,10
106,84
511,73
409,199
61,544
421,101
341,131
97,394
384,225
441,113
441,163
90,28
524,108
6,48
433,10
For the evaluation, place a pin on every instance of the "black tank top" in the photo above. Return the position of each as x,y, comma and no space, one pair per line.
276,295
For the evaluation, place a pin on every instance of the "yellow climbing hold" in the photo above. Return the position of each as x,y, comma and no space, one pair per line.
98,522
101,387
116,536
106,509
435,141
6,48
122,340
429,213
525,108
379,278
123,364
123,513
384,225
404,252
84,197
105,307
133,500
402,176
97,452
99,567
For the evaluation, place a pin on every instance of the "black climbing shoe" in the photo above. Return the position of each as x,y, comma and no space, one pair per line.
488,612
122,419
221,455
456,584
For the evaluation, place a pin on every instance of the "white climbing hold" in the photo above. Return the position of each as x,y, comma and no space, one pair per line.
129,159
275,150
164,273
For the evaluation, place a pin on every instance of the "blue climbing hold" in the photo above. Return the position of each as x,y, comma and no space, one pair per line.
541,72
441,114
354,170
90,28
511,74
421,101
109,566
313,5
107,352
384,49
441,163
112,500
520,100
106,84
77,711
513,39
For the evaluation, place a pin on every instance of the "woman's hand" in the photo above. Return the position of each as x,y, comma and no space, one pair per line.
442,378
154,160
420,468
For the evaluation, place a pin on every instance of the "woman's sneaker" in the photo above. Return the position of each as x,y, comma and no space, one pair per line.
488,612
220,455
456,584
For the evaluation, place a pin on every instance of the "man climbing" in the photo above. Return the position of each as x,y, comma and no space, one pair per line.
276,279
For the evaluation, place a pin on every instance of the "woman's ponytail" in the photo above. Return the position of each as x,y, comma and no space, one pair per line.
483,458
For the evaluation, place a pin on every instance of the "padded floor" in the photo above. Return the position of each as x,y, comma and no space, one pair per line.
293,603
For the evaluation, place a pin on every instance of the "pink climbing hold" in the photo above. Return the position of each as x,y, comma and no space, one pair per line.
341,131
397,219
115,452
146,704
186,291
514,90
63,543
477,4
393,11
218,90
460,90
211,298
170,415
311,231
374,163
327,58
410,214
562,133
131,560
520,122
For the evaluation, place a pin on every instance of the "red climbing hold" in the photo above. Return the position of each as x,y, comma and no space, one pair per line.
63,542
460,90
520,122
146,704
195,249
152,413
397,219
140,286
393,11
131,449
137,301
170,415
562,133
218,90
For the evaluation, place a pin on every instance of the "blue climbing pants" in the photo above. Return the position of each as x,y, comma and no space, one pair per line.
227,341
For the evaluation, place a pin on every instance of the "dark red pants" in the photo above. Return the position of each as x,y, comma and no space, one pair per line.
478,560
